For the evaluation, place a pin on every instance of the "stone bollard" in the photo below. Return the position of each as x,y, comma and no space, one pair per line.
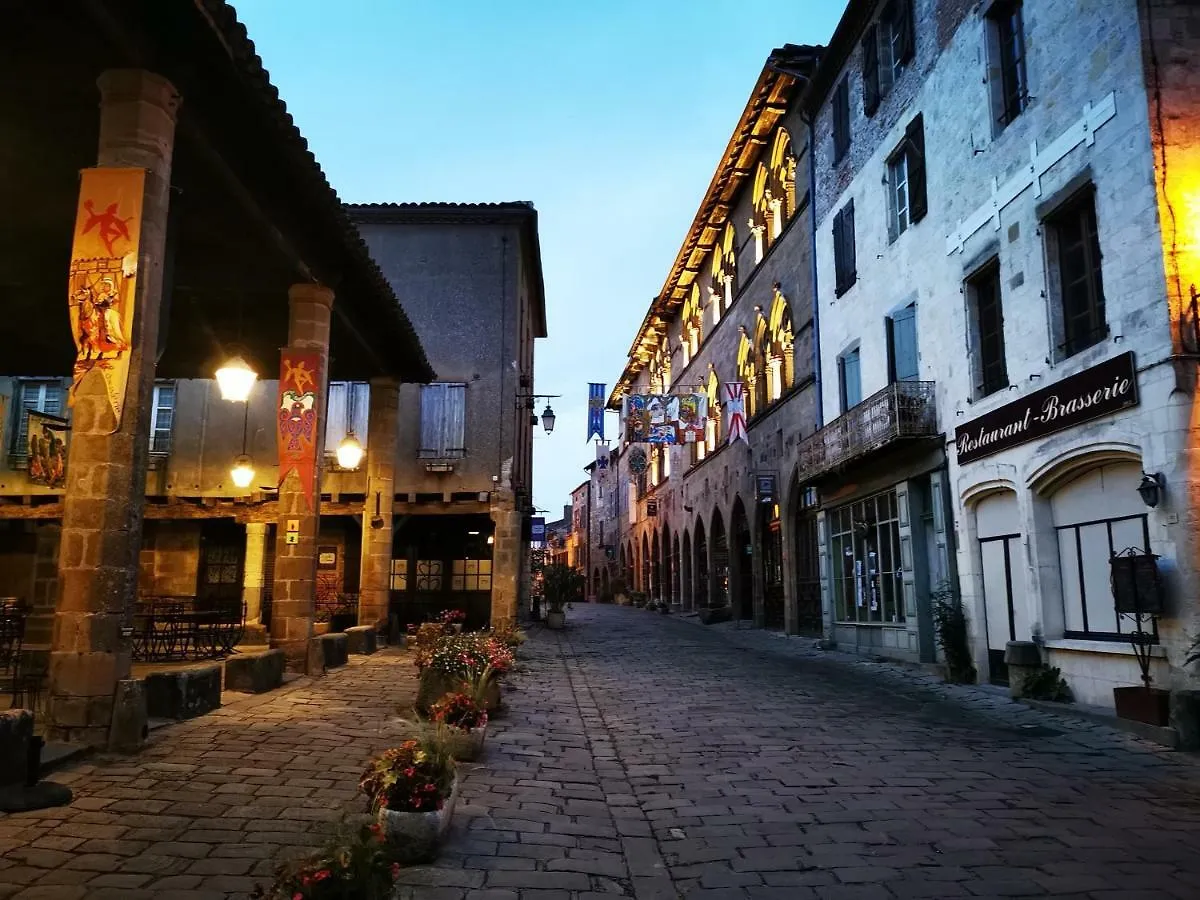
130,727
361,640
1023,658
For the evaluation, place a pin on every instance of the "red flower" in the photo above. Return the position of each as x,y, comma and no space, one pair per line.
395,871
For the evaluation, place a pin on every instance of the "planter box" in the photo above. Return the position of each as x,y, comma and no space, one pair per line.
434,685
1140,704
320,628
419,833
556,620
468,744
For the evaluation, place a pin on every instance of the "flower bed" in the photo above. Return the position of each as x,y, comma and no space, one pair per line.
355,864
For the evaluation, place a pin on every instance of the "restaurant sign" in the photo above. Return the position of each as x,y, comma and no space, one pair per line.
1092,393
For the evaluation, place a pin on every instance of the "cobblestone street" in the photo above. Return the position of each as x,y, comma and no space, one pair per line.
647,756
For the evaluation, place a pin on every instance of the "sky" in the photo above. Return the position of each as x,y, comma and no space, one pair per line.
610,117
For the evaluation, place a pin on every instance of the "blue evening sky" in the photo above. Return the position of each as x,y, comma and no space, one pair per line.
610,117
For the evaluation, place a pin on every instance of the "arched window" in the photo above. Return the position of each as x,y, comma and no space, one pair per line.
692,330
712,428
760,218
782,181
760,387
722,287
660,368
781,373
748,374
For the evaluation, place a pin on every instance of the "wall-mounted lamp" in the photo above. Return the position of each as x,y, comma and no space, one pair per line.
1152,488
526,401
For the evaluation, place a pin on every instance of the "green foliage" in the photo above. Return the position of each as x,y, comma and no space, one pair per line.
561,584
1047,684
953,633
415,777
470,657
356,863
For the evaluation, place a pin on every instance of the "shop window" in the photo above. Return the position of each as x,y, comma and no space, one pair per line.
34,396
429,574
841,120
844,263
471,575
399,575
903,360
986,322
850,379
907,201
865,549
1006,62
1096,516
1076,283
162,416
888,46
443,421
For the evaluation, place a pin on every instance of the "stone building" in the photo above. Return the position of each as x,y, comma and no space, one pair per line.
736,306
1039,341
470,276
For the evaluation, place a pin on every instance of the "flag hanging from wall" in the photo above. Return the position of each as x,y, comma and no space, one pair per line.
595,412
602,452
735,409
47,448
650,418
103,278
299,417
691,418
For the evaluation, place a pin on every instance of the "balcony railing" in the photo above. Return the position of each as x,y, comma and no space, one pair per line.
901,410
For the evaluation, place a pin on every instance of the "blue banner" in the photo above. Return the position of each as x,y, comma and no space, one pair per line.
595,411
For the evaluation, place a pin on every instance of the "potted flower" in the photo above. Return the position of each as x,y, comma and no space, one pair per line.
453,619
465,720
355,864
561,585
462,661
508,634
321,622
412,789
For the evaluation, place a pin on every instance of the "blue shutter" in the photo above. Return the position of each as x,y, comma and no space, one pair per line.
905,364
455,420
432,416
852,376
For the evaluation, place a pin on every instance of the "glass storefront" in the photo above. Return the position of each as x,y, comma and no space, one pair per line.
865,561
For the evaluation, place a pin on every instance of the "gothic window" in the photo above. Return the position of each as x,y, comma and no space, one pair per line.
780,355
723,270
782,182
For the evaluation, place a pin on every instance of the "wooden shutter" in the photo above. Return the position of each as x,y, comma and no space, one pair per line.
905,364
359,417
433,413
870,71
914,143
335,415
455,419
851,379
841,367
851,257
903,24
839,254
841,120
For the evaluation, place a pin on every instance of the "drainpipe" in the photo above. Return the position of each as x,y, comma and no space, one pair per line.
816,305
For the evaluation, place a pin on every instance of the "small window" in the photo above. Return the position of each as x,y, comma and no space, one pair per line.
471,575
841,120
429,574
347,410
907,202
443,421
887,47
987,330
844,262
903,360
1076,281
399,579
162,416
849,379
34,396
1006,62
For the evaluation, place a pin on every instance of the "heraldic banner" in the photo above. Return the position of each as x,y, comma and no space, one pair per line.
47,449
735,409
104,258
595,411
299,381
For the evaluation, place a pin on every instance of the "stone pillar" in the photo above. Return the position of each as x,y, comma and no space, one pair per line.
296,564
253,582
506,557
106,464
375,566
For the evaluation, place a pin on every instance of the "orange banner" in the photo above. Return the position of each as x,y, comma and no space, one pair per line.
104,258
299,417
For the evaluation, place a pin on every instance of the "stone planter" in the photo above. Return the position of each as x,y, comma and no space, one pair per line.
419,833
556,619
320,628
456,627
434,685
467,744
1142,704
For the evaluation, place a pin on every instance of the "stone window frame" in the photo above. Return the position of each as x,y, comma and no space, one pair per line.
894,32
1079,195
1007,71
987,270
853,350
845,262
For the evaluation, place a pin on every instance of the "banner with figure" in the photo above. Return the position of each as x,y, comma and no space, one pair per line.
602,452
299,417
735,409
595,412
650,418
692,418
103,278
47,448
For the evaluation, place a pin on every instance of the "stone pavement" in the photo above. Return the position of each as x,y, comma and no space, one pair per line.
206,809
646,756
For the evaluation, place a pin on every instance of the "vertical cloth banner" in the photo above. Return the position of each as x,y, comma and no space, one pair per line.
692,418
602,451
47,436
103,277
735,409
299,379
595,411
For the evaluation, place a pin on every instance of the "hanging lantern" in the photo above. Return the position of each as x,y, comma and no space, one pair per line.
242,472
350,452
548,419
235,379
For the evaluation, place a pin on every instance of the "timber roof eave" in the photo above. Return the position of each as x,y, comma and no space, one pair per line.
767,103
521,211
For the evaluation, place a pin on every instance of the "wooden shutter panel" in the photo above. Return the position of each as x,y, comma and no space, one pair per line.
454,420
841,367
870,48
838,269
848,244
903,23
432,415
841,120
335,415
905,364
914,139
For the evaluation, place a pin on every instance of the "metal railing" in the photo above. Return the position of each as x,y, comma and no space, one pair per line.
904,409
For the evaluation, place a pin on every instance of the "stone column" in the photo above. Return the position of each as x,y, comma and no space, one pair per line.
296,564
506,557
375,567
253,582
106,464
